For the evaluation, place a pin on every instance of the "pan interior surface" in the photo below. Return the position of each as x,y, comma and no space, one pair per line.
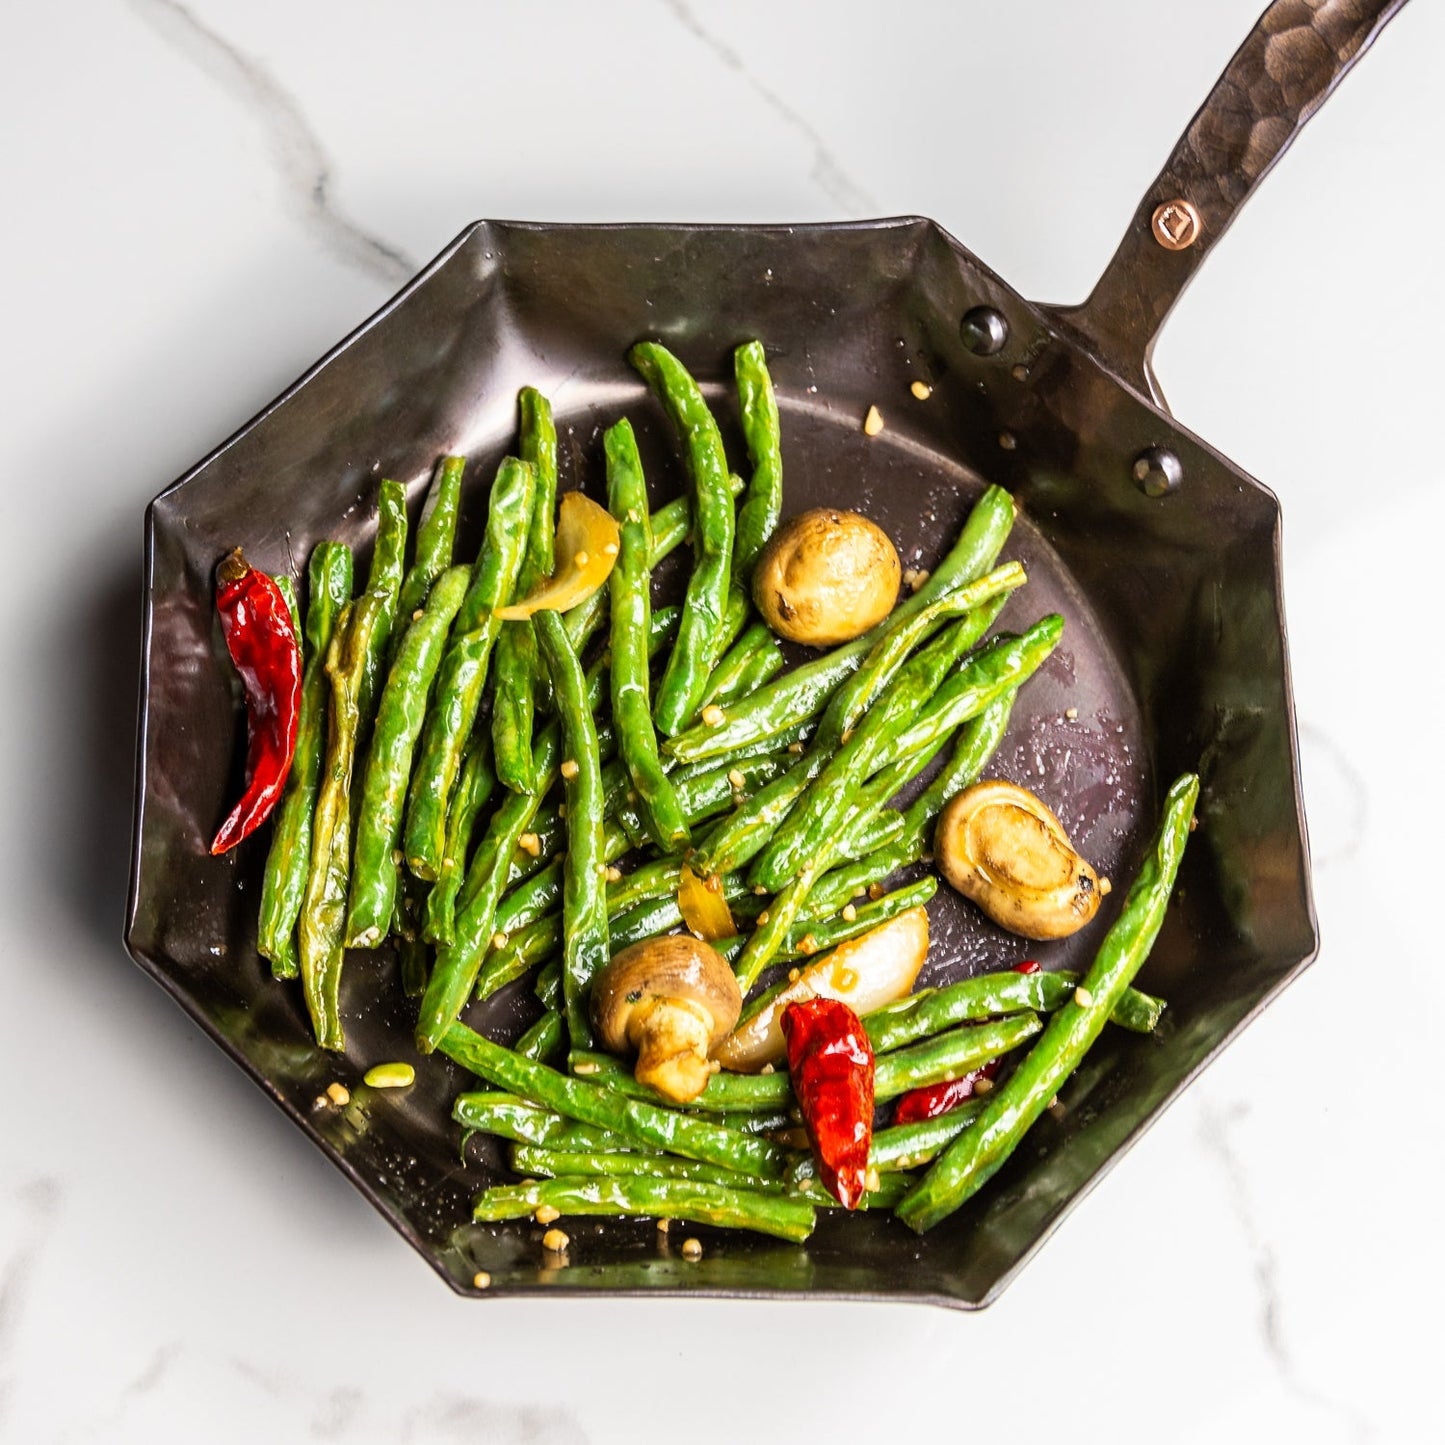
1172,658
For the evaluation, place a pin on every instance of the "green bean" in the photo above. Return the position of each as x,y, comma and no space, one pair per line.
864,833
322,921
763,666
977,743
436,535
891,1188
761,507
728,1208
399,719
804,692
545,1037
385,575
671,1130
536,1160
463,671
998,668
986,994
514,705
756,826
472,793
548,988
630,584
509,1117
903,1146
732,672
584,891
685,677
284,882
1010,1110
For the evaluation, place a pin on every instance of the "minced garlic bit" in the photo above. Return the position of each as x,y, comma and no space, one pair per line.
581,559
1105,888
736,778
610,549
849,913
499,939
713,715
555,1241
921,390
691,1248
795,748
663,1225
612,873
338,1093
875,891
1083,997
585,1067
390,1076
759,890
793,975
983,1085
762,918
562,810
530,843
547,1214
632,515
569,768
845,980
481,1280
873,422
418,614
872,1180
847,735
1071,713
714,1066
808,945
915,577
1007,440
768,1069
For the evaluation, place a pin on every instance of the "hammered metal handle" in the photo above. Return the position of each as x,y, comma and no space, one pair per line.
1297,53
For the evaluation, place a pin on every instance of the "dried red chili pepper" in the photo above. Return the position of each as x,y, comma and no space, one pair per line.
831,1063
931,1100
261,638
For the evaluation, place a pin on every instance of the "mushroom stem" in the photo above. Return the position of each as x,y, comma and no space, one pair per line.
672,1036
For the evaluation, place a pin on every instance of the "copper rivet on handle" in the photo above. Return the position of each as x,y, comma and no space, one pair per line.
1176,225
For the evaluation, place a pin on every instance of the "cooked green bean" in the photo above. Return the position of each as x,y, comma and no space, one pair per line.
514,705
902,1146
463,671
472,793
322,923
763,504
545,1038
631,588
542,1162
284,882
385,575
671,1130
998,668
977,742
1010,1110
685,677
584,888
399,718
804,692
728,1208
510,1117
436,535
732,671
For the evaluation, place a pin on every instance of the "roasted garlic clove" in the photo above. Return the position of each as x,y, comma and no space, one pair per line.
1003,849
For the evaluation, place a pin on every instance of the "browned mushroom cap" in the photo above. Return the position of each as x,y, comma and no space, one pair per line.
826,576
671,999
1001,847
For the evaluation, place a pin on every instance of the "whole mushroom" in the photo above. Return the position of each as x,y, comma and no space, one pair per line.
672,999
826,577
1001,847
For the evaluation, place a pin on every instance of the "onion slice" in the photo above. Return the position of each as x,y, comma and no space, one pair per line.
703,907
866,972
585,551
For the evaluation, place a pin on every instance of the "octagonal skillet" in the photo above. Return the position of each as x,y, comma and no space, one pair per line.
1162,555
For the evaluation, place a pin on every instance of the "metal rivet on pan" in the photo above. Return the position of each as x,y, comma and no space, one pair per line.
1176,224
984,330
1157,471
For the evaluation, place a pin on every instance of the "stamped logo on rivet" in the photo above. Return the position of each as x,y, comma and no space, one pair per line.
1176,225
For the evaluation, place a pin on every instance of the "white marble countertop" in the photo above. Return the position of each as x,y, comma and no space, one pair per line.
201,198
